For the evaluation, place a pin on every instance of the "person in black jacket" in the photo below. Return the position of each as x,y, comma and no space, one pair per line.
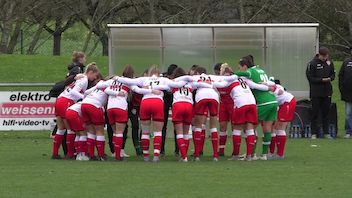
320,72
77,65
345,86
168,98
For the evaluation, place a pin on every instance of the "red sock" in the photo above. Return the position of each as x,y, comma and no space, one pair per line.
77,144
59,136
250,142
281,142
91,144
273,143
82,145
202,141
100,144
222,143
118,142
215,142
145,144
157,143
197,141
236,143
181,145
186,140
70,142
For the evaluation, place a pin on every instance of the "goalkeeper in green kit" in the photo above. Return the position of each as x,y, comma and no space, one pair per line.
266,101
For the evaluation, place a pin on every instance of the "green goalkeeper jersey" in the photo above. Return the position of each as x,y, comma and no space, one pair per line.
257,75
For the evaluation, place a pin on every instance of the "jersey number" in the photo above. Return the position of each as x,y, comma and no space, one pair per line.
264,78
184,91
242,83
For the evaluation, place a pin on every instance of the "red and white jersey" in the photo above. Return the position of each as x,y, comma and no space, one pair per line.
75,90
76,107
284,97
207,93
152,82
98,98
241,93
183,94
115,101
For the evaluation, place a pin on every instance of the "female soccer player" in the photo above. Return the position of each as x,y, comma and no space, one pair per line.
287,107
266,101
225,109
207,99
93,117
152,109
244,115
69,96
182,111
117,107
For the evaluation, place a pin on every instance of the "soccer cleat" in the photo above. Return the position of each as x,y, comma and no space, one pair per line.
123,154
93,158
234,158
264,157
156,159
84,157
215,159
79,157
146,159
347,136
328,136
56,157
104,158
184,160
254,157
314,137
196,159
248,158
112,154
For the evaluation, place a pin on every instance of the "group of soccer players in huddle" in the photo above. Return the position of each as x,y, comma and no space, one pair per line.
245,98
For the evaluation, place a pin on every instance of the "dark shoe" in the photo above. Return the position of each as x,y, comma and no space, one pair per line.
104,158
56,157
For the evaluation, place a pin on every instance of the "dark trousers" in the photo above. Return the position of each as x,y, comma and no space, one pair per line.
320,109
167,107
133,114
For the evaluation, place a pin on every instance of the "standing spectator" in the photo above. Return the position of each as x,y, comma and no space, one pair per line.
77,65
345,86
320,72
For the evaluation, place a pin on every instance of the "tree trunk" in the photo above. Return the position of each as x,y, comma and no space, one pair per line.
36,37
242,14
14,38
349,19
57,43
105,44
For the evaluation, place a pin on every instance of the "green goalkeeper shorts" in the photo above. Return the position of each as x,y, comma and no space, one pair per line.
267,112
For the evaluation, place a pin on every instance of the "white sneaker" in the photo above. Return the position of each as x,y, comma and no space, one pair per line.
314,137
347,136
84,157
79,157
328,136
254,157
112,154
123,154
263,157
184,160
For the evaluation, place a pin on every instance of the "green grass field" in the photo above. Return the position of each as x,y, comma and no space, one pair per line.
27,171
